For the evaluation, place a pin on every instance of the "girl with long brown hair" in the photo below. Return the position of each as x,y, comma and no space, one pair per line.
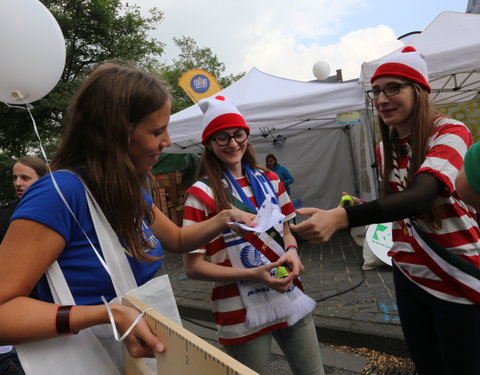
252,301
436,246
116,127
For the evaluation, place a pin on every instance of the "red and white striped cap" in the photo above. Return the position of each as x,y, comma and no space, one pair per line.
219,113
408,64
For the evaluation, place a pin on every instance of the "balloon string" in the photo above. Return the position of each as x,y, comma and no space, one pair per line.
44,154
27,106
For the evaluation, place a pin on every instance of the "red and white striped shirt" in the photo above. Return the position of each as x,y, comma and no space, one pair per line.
459,232
226,302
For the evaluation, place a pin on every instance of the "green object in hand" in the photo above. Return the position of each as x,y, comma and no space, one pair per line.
281,272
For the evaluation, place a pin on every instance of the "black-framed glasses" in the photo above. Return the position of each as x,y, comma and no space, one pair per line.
223,139
390,89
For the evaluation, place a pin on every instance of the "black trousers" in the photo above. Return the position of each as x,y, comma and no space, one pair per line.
443,337
9,364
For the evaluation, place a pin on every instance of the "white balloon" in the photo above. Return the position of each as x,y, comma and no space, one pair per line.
321,70
32,50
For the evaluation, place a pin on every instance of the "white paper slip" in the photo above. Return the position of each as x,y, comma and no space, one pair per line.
268,215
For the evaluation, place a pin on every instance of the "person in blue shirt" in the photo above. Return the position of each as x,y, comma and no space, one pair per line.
281,171
116,128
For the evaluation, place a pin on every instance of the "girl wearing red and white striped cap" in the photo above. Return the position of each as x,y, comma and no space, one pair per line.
436,250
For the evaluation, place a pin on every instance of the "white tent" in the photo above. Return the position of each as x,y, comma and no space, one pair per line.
316,149
451,47
324,156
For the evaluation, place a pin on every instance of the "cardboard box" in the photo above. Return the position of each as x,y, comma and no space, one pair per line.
170,196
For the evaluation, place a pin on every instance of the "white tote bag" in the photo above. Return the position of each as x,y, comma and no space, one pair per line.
74,354
94,350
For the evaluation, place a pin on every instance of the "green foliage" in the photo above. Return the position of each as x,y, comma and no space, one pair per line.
192,56
95,31
7,193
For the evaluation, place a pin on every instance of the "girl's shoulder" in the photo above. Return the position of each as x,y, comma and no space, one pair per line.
442,120
202,181
200,187
54,200
271,175
446,126
68,183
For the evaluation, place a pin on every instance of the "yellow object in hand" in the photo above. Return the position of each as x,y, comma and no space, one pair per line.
346,200
281,272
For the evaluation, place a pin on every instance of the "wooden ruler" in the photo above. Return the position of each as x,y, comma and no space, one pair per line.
186,353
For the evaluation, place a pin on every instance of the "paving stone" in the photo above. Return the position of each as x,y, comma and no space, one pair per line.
367,309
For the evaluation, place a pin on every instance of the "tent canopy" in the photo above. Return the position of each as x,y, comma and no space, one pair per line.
315,148
270,103
451,48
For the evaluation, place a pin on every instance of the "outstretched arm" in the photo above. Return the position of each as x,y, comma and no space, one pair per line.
413,201
321,224
188,238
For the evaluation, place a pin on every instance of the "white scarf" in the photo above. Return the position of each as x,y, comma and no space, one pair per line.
263,304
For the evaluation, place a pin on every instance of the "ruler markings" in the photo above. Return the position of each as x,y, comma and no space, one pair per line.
186,353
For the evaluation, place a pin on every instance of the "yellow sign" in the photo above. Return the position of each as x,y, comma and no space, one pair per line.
468,113
198,84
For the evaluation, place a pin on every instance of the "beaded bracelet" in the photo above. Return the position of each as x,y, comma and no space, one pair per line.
62,320
291,247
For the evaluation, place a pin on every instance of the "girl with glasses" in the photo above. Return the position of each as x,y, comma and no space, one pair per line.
436,250
251,300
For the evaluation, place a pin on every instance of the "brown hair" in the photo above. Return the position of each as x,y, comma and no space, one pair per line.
271,156
38,165
421,119
211,167
103,113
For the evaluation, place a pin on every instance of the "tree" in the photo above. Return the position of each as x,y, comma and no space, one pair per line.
191,56
95,31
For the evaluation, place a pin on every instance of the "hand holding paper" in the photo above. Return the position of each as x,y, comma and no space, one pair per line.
268,215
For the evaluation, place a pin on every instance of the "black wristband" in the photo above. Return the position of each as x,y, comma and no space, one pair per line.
363,214
62,320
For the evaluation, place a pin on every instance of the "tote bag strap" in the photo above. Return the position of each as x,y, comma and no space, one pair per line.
115,263
58,285
112,250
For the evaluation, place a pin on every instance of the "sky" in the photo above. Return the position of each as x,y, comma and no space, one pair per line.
286,38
